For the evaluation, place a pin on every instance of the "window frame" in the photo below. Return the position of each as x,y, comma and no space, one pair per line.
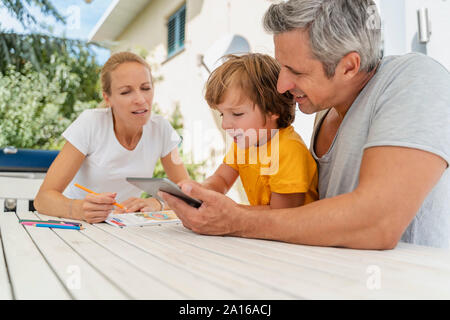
178,18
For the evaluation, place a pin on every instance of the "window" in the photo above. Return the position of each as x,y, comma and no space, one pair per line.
175,31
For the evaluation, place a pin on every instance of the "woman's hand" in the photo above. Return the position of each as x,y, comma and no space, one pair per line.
139,204
95,208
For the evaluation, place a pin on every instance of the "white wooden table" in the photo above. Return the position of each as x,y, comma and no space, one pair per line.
171,262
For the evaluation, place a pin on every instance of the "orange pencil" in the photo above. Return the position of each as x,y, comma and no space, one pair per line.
90,191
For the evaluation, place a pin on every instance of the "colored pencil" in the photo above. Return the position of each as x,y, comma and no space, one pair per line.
57,226
90,191
27,220
65,222
51,221
46,223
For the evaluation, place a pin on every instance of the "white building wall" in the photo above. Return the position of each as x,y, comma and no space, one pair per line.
439,14
400,28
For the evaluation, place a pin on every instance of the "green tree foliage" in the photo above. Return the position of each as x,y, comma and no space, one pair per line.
46,54
45,81
31,104
20,10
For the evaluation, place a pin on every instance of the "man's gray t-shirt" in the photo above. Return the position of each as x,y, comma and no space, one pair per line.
407,104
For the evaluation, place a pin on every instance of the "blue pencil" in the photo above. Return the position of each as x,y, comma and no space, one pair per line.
56,226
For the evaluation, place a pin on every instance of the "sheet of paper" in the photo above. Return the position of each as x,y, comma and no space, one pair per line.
142,218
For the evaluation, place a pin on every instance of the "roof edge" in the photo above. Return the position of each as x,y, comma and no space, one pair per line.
99,24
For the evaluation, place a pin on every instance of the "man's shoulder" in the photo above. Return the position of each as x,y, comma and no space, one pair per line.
410,63
412,73
407,57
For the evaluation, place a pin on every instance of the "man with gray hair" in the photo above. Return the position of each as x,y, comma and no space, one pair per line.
381,138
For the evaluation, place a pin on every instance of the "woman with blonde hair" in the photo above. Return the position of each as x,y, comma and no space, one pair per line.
106,145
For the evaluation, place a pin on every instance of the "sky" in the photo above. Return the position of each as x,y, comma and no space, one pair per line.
81,18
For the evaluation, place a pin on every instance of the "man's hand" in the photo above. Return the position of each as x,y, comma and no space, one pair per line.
218,215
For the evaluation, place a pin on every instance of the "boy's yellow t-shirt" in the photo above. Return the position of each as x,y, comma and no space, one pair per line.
290,169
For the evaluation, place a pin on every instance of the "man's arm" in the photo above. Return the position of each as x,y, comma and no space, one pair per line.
393,183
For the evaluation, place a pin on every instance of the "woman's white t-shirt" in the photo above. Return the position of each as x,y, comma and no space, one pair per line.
107,162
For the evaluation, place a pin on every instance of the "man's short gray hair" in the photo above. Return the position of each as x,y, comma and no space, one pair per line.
336,28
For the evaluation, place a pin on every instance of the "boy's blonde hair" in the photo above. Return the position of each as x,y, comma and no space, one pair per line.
113,62
256,75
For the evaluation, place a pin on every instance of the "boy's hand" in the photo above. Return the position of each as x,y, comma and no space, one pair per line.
189,181
139,204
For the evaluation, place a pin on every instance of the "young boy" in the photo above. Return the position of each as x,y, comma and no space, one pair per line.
274,164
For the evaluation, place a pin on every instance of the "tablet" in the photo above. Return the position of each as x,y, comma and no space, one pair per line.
153,185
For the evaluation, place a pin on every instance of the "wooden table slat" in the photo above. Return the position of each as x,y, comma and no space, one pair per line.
274,277
238,285
396,280
408,253
397,267
347,258
136,283
5,285
30,274
172,262
171,275
78,276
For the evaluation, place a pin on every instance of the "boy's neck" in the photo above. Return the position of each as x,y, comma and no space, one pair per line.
269,136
